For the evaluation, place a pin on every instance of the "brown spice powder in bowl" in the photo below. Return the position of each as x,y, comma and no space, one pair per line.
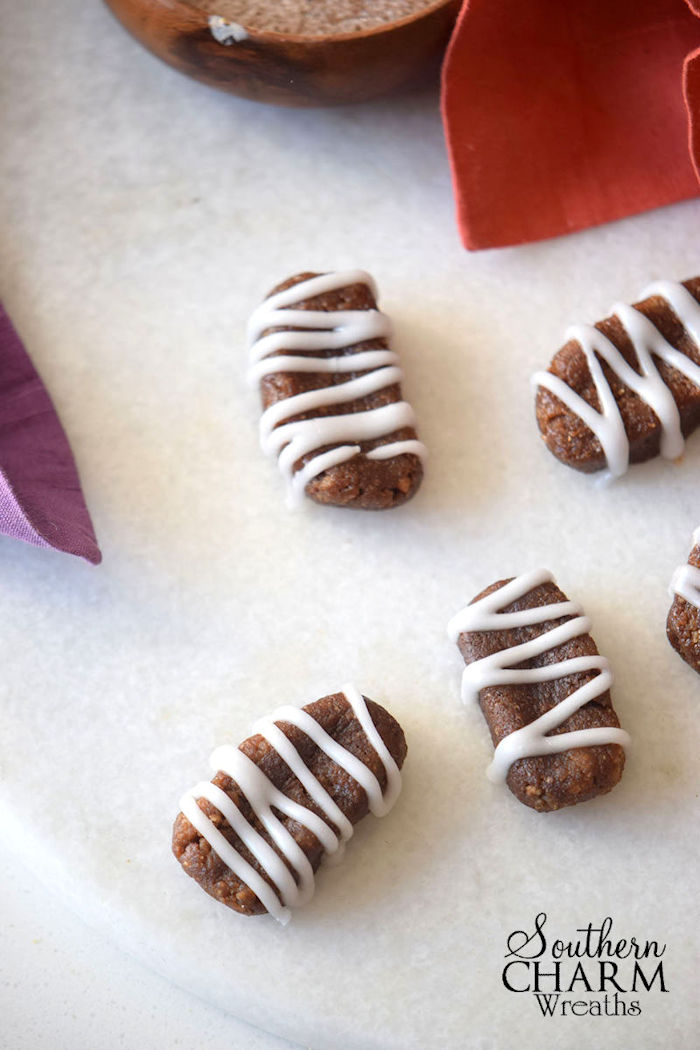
296,52
318,17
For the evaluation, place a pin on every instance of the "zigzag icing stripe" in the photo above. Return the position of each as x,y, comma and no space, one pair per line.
686,579
649,343
288,891
326,330
500,669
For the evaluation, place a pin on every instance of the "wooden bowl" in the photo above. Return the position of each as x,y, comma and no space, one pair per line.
290,70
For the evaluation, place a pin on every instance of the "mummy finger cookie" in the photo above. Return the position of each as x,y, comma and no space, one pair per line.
289,795
627,388
544,691
683,623
330,387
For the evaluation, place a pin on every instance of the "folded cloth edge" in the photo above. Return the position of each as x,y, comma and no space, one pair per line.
479,226
72,532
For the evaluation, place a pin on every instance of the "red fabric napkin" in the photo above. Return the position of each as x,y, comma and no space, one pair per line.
562,115
40,497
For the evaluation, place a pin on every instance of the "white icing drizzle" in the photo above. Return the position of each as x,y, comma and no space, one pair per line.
501,669
295,887
322,330
607,425
685,581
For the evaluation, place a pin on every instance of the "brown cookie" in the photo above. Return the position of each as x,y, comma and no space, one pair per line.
553,748
683,623
330,387
642,422
285,797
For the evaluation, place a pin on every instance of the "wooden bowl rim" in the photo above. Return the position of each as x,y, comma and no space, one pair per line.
301,38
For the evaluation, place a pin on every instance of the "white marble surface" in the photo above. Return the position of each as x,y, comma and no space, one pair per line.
142,217
65,987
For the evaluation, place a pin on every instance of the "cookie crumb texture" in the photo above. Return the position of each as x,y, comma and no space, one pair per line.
336,716
318,17
359,482
566,435
683,623
547,782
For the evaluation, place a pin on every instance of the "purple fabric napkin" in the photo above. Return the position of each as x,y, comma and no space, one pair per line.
41,501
